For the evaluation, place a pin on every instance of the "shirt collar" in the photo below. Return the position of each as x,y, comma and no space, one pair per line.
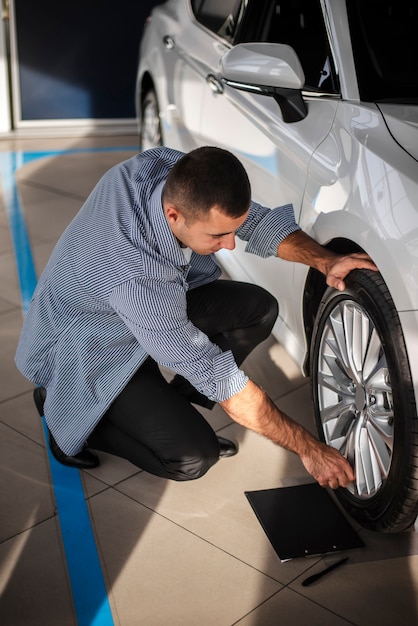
167,242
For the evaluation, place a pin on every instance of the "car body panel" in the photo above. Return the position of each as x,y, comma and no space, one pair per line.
402,122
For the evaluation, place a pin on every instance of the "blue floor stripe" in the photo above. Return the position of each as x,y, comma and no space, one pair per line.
87,584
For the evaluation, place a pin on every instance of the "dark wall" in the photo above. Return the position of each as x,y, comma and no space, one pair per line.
78,59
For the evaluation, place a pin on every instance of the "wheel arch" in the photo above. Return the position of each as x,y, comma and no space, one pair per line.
146,83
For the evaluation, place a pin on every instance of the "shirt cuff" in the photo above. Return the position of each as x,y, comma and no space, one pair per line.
275,226
228,379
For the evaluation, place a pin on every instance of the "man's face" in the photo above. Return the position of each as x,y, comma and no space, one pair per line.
209,234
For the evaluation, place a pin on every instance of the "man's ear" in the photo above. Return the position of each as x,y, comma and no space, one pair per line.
172,213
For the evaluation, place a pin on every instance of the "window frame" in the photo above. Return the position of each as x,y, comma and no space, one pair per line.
232,20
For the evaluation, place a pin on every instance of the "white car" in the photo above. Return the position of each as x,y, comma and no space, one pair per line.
319,101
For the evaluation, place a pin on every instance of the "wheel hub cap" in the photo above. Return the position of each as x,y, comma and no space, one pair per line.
360,398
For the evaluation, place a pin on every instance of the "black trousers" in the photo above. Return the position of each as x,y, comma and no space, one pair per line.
150,423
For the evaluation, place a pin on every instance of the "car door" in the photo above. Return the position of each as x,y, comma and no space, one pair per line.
276,154
187,46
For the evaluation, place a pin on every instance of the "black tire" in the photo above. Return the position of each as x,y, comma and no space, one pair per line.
364,400
151,134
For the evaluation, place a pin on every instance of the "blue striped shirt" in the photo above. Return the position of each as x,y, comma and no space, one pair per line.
114,292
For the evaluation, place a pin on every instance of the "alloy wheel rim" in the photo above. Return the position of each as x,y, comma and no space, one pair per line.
355,397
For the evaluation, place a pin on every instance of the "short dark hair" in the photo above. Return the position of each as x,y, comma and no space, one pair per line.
206,177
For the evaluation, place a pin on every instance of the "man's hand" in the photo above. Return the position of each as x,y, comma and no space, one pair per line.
340,266
300,248
327,466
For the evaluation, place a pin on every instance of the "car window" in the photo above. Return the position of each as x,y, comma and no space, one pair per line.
384,34
299,24
220,16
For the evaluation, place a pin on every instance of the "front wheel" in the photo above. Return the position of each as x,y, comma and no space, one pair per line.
364,400
151,135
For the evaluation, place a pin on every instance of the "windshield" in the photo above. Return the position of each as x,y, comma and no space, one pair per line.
383,34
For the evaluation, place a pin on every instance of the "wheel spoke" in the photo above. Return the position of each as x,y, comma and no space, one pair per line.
335,411
337,329
379,377
339,380
372,358
381,450
338,430
356,328
382,423
368,474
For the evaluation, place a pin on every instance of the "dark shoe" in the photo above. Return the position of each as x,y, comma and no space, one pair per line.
39,395
190,393
226,448
86,459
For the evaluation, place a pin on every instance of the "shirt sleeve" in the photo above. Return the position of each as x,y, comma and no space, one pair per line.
156,313
264,229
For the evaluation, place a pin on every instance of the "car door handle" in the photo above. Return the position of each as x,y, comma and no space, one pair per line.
214,83
168,42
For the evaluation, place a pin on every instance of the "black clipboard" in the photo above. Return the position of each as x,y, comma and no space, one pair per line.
302,521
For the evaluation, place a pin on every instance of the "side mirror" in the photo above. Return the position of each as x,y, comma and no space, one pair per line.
268,69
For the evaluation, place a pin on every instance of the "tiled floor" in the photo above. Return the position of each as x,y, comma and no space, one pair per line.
186,554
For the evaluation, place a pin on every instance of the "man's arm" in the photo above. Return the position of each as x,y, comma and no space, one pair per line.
300,248
253,409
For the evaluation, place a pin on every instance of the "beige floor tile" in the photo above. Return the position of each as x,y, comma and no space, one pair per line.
380,593
34,589
298,405
5,305
158,573
287,608
5,238
387,545
25,497
21,415
270,366
91,485
12,381
9,279
215,507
